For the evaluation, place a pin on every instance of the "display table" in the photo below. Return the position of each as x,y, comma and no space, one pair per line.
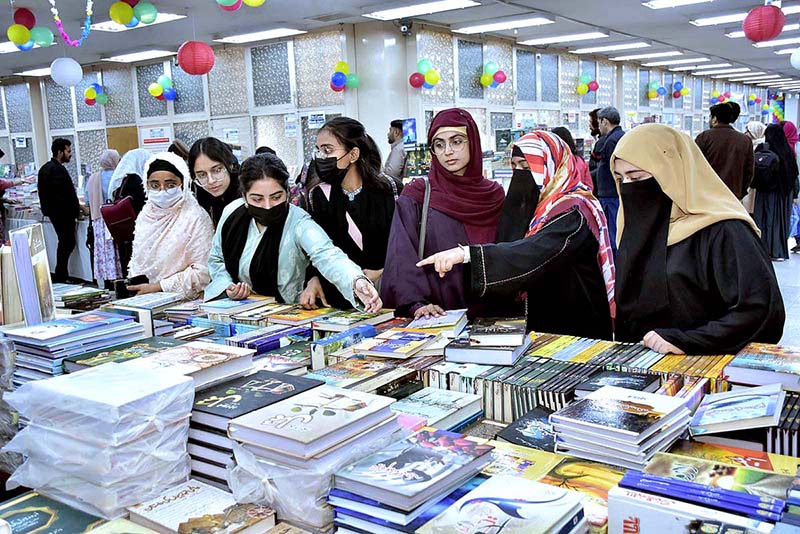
80,262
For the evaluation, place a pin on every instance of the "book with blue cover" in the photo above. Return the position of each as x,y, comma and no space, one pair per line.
451,324
326,346
531,430
738,409
396,343
65,329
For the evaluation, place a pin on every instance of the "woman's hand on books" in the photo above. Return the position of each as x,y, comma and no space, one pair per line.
143,289
431,310
444,261
659,344
238,291
312,292
367,294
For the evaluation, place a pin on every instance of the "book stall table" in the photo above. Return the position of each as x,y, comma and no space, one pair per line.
80,263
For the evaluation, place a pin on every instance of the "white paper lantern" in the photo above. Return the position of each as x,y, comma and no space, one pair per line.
66,72
795,59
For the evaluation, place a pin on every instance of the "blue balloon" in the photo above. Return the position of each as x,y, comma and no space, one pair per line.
133,23
494,84
678,86
764,112
339,79
662,91
97,88
714,100
426,85
170,93
27,46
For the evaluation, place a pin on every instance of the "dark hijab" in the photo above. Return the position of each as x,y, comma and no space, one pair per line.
519,205
776,139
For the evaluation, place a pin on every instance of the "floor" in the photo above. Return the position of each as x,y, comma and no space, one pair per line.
788,273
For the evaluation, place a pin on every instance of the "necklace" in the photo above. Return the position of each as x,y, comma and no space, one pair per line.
351,195
87,24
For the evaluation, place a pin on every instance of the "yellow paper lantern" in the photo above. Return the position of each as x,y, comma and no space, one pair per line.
18,34
155,89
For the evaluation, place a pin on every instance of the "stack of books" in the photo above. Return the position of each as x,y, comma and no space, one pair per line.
294,358
620,426
259,316
760,364
209,446
448,410
105,438
179,313
120,353
490,342
531,430
147,309
9,420
223,309
322,350
42,349
395,343
347,319
406,479
269,338
298,316
81,298
450,325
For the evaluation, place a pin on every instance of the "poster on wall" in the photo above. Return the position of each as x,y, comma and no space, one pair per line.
231,135
290,126
155,138
20,142
316,121
237,132
409,131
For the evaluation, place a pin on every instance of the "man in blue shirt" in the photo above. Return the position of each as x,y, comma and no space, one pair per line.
606,192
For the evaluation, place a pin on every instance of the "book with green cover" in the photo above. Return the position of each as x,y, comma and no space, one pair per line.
120,353
32,513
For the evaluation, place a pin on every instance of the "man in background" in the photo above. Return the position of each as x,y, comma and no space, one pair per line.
608,120
396,162
59,202
729,152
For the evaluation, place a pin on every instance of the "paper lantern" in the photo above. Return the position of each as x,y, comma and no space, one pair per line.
763,23
794,59
195,57
66,72
25,17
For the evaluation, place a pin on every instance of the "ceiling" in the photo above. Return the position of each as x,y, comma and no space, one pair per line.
666,29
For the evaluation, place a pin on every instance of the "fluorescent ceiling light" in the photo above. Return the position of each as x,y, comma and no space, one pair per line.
139,56
111,26
35,72
8,47
740,75
276,33
427,8
676,62
738,34
506,25
785,51
751,79
720,71
647,56
736,17
778,42
611,48
661,4
569,38
699,67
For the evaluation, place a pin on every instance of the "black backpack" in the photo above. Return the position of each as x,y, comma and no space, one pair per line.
765,170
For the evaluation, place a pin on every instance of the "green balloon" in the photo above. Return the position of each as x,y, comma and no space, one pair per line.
353,81
654,85
102,99
490,68
423,66
585,78
165,81
227,3
42,36
146,12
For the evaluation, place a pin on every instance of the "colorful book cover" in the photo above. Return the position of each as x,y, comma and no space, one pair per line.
593,479
498,331
32,513
232,520
226,304
715,474
401,344
764,357
349,317
57,328
289,357
415,464
738,406
531,430
636,381
450,319
125,351
191,357
434,404
514,460
249,393
300,315
328,345
351,372
509,505
150,301
777,463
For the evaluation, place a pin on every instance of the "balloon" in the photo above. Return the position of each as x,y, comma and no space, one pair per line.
18,34
423,66
500,77
676,94
582,89
416,80
714,100
342,66
234,7
752,96
90,93
426,85
164,81
97,88
654,85
677,86
121,13
661,91
486,79
155,90
161,97
254,3
42,36
764,112
494,84
90,101
765,106
133,23
353,81
715,93
102,99
25,17
585,79
727,94
758,100
339,79
226,3
195,57
491,67
432,77
170,93
338,89
27,46
146,12
66,72
131,3
685,91
651,94
593,85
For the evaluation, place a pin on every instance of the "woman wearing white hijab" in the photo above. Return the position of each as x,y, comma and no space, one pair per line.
173,233
106,263
128,181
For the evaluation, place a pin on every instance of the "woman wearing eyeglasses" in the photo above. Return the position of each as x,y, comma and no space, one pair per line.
215,171
353,203
173,235
464,209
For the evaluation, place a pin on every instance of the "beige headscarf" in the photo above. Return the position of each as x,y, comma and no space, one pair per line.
699,197
755,131
109,160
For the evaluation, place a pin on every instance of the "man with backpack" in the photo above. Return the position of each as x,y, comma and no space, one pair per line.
729,152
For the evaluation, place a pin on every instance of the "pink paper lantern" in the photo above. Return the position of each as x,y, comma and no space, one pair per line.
196,58
763,23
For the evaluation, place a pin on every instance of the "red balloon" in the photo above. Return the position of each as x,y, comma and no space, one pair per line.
234,7
90,101
676,94
416,80
763,23
500,76
594,86
758,100
195,57
24,16
131,3
337,89
161,97
727,94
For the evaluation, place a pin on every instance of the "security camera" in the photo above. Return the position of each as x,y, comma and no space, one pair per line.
405,26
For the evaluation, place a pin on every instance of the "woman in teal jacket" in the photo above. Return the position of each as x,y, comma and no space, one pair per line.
263,244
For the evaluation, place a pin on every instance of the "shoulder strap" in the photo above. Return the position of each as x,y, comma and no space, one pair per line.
391,182
423,223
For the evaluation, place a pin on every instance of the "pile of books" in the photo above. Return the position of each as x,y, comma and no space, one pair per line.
490,342
620,426
269,338
9,424
148,310
294,358
105,438
119,353
223,309
81,298
42,349
347,319
390,490
448,410
760,364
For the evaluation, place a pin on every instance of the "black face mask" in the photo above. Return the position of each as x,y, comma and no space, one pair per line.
328,172
644,203
269,216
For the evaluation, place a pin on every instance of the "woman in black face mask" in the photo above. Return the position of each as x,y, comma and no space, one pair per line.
264,245
692,276
354,203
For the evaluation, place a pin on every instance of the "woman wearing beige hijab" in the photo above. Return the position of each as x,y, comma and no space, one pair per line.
106,266
692,276
755,131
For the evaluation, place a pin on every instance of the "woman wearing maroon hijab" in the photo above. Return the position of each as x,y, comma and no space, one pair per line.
464,210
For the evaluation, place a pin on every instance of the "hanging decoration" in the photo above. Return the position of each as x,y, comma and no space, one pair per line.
763,23
233,5
196,58
655,90
66,72
95,94
342,78
586,84
777,108
87,24
426,76
794,59
130,13
679,90
162,88
492,76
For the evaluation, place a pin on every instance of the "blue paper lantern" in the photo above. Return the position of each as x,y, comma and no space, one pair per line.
339,79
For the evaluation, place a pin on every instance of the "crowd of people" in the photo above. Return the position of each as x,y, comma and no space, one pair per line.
656,239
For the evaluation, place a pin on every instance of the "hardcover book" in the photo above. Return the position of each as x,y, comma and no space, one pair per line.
738,409
777,463
217,405
11,299
635,381
120,353
498,332
33,274
438,406
518,461
395,344
230,306
325,347
299,316
761,364
66,328
351,372
32,513
510,505
343,320
531,430
150,301
293,356
450,324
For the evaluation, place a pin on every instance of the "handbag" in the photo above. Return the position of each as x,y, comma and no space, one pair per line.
120,217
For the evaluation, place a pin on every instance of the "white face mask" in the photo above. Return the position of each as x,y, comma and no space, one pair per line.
166,198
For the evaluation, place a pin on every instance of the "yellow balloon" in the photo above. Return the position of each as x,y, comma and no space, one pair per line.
18,34
254,3
486,79
583,89
715,93
685,91
155,89
432,77
342,66
90,93
121,13
652,94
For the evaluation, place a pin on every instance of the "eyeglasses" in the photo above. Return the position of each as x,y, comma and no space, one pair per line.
457,144
326,151
217,174
158,186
